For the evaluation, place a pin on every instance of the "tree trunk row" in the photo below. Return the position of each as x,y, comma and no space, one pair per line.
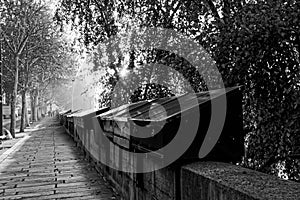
35,114
14,99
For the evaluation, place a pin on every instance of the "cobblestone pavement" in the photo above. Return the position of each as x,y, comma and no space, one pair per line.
47,165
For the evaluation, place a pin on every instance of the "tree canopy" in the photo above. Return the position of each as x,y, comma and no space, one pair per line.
35,54
255,43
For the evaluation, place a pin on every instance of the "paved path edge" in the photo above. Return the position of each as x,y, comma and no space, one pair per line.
14,148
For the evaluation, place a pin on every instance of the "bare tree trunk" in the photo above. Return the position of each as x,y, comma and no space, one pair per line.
27,124
33,111
31,108
14,99
24,110
39,113
25,88
41,103
34,105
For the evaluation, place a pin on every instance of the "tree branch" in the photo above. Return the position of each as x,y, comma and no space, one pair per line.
7,42
214,10
22,45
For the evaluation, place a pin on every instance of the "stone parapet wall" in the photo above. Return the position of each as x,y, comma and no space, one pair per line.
195,181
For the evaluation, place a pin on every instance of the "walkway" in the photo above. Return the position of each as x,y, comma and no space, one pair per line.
46,164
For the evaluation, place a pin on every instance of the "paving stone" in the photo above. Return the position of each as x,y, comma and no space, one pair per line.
31,184
75,196
99,197
77,184
49,166
30,189
36,195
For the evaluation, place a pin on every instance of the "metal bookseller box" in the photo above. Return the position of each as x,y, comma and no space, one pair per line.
148,126
85,131
70,122
63,117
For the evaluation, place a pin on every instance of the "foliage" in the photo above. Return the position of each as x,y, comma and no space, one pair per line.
258,47
20,22
254,43
152,91
35,55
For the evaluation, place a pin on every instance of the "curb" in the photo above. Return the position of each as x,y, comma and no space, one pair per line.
17,145
14,148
